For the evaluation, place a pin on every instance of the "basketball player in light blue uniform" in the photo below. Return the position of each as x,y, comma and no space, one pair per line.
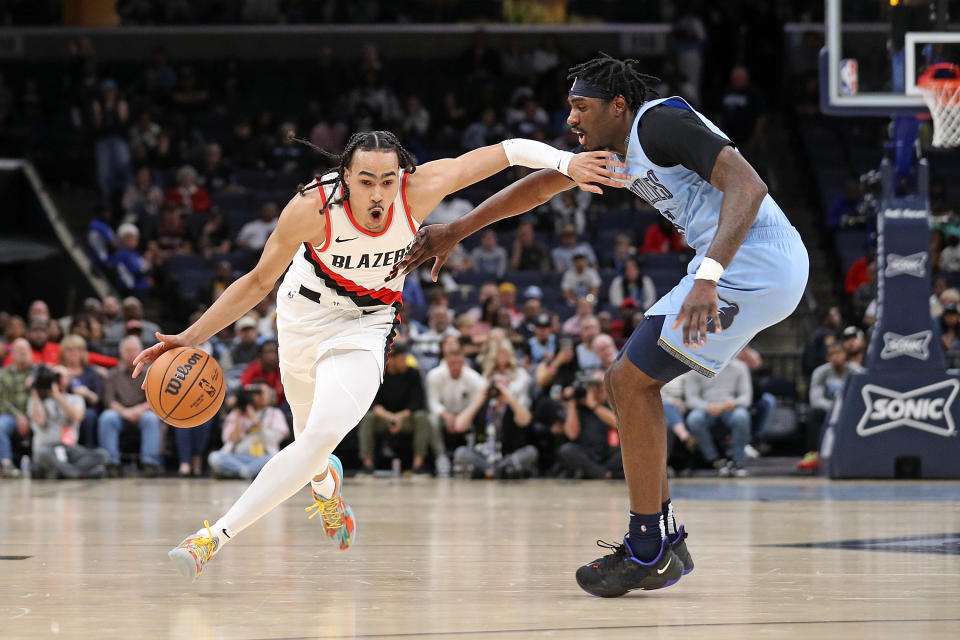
749,273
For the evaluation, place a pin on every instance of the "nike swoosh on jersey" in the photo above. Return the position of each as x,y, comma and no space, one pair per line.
339,239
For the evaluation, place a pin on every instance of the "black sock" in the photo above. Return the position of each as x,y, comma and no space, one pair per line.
671,523
646,533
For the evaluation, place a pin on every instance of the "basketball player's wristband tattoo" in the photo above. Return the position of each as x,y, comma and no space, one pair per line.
536,155
710,270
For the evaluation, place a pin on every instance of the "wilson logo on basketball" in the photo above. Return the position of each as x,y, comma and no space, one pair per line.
176,381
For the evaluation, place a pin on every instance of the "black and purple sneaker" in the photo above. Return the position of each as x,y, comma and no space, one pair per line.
680,548
619,572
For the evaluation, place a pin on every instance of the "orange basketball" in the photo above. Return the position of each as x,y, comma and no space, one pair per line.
185,387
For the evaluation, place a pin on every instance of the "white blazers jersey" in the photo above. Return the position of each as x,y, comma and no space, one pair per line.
334,294
349,268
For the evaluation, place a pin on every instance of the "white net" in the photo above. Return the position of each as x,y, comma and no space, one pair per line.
943,100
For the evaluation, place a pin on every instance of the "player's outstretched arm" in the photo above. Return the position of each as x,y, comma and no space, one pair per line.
743,192
298,222
438,240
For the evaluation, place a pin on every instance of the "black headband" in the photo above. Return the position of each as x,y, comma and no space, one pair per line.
587,89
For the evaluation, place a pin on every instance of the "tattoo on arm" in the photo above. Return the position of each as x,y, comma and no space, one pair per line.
743,191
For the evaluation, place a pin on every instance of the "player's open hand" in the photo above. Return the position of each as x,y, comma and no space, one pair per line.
593,168
435,240
150,354
700,305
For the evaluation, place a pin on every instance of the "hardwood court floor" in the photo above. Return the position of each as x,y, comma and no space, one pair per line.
458,559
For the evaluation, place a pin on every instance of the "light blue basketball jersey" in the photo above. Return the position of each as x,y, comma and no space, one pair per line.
691,203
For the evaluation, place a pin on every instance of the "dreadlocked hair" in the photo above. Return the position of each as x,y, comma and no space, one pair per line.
619,76
361,141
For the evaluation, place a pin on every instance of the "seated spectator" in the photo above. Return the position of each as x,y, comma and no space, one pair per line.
589,330
501,359
252,433
866,292
662,237
143,198
562,256
584,310
854,344
214,236
497,444
84,381
55,415
580,280
245,348
215,174
950,334
253,235
451,387
222,278
569,208
133,311
589,454
187,193
844,205
16,328
426,342
628,320
815,346
532,307
459,260
450,208
132,268
487,290
88,327
605,349
507,294
544,340
399,408
172,235
632,283
41,350
527,255
623,250
13,402
723,400
489,258
950,255
126,406
826,385
266,369
483,132
674,408
857,273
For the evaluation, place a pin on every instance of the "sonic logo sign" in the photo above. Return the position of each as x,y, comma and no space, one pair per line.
915,345
927,409
914,265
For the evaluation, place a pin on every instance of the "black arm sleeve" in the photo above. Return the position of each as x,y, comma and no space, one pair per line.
673,135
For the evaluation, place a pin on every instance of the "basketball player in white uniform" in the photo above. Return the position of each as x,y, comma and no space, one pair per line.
337,309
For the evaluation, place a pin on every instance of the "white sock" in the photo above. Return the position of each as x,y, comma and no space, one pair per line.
326,487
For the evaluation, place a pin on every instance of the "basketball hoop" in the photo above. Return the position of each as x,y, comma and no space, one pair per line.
940,85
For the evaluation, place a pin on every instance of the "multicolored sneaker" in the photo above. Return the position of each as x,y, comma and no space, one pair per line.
619,572
679,546
337,516
810,462
194,552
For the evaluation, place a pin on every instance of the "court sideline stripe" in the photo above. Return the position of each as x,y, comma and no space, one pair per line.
615,628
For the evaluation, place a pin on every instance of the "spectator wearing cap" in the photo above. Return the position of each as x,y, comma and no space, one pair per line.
507,293
42,351
132,269
253,235
245,348
266,369
187,193
626,322
489,259
527,255
632,283
544,340
854,344
398,409
532,307
581,279
562,256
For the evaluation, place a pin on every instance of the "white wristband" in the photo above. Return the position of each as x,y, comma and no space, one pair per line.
710,270
536,155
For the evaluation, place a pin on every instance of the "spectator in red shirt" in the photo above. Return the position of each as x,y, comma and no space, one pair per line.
187,193
266,369
43,351
857,274
662,237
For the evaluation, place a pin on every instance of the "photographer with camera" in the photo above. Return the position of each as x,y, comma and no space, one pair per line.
252,434
55,416
589,453
497,443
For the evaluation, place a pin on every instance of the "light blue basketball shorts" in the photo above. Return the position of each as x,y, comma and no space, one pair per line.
761,286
